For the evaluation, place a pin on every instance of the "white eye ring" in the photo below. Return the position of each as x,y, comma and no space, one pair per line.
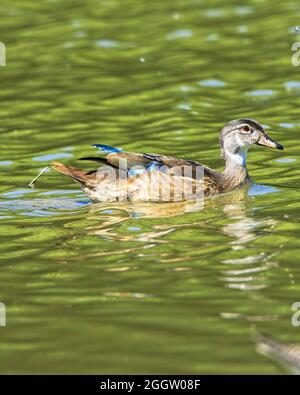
245,129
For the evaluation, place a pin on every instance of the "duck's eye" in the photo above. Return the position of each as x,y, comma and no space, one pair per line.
245,129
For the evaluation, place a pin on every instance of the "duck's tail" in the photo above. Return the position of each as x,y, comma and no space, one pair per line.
82,176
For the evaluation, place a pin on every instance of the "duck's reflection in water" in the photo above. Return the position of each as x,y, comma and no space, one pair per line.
246,271
241,228
248,260
241,270
123,211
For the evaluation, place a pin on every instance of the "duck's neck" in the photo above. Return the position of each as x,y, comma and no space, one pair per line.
235,172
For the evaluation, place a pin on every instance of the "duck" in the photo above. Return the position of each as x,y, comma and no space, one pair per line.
128,176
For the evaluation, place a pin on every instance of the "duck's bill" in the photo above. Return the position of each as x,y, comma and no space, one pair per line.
268,142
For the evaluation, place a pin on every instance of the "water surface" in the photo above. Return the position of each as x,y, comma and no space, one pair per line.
146,288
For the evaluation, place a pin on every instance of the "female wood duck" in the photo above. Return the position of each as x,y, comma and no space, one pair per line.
152,177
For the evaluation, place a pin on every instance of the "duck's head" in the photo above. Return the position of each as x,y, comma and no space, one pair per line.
237,136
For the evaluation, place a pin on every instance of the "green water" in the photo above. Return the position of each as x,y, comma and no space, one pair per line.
146,288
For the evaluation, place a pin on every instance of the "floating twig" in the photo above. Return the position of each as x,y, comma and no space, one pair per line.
31,184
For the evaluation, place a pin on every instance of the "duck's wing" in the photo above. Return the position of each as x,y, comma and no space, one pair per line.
118,158
140,164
